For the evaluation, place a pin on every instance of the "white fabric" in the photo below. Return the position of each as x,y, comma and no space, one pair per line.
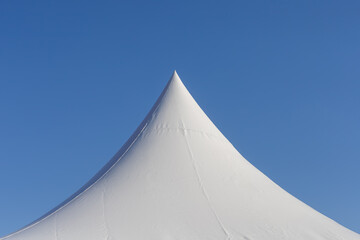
178,178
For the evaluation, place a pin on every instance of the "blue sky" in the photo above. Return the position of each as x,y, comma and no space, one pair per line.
280,79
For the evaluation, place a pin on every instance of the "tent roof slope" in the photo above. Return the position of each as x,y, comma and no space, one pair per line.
178,177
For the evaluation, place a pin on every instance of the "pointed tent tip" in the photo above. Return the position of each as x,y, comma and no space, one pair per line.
175,77
175,83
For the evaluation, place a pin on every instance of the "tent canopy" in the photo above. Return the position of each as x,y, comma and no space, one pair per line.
178,177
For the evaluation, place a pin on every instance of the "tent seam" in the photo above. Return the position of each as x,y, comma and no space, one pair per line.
202,186
185,129
104,216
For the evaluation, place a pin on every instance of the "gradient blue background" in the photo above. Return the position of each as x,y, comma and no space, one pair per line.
280,79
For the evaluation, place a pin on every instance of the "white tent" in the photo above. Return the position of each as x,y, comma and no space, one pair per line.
178,177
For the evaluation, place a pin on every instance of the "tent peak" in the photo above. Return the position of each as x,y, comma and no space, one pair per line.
175,77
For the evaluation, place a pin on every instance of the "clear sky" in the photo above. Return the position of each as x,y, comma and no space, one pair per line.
280,79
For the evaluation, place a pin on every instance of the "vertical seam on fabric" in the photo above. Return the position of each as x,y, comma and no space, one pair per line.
202,186
56,229
104,216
